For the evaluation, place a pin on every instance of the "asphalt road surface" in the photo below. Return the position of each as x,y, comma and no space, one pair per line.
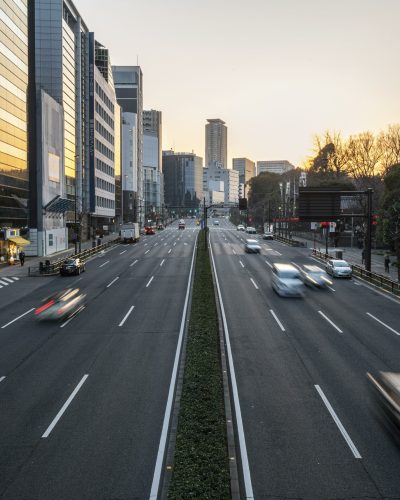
83,402
309,423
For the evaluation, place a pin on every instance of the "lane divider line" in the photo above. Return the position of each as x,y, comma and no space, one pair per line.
133,263
64,407
239,421
241,263
330,321
104,263
382,323
339,424
147,251
18,317
277,320
113,281
150,280
123,251
332,289
162,262
170,250
254,283
167,416
269,264
126,315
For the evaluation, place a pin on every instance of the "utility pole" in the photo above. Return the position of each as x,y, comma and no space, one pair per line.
368,235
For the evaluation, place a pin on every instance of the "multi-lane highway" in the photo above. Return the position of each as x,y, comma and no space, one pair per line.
300,364
83,402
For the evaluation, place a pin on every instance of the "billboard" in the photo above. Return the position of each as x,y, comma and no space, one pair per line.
319,204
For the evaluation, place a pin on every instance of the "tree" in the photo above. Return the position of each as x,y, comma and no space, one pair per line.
390,211
331,156
389,143
264,195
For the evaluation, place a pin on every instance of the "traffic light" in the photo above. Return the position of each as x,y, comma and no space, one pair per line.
242,203
375,219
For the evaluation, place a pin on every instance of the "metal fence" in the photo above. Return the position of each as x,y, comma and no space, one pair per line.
48,268
290,241
379,280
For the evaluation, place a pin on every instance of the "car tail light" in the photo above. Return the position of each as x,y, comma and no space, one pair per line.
44,307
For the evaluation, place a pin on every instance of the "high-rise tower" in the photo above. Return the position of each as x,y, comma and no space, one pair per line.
216,144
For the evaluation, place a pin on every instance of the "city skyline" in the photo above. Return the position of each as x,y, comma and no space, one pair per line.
289,70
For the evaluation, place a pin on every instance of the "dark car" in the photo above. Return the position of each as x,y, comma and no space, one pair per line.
149,230
160,227
386,389
73,265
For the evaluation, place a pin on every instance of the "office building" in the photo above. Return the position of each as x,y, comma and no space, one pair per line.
274,166
14,175
183,180
216,144
246,169
128,81
153,188
229,178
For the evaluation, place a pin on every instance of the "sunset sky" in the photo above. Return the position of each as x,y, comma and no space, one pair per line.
276,71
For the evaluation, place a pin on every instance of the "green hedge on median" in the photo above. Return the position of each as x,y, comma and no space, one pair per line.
201,464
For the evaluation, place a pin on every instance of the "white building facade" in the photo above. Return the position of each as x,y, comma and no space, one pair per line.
217,177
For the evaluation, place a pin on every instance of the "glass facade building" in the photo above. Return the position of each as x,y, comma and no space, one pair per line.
14,176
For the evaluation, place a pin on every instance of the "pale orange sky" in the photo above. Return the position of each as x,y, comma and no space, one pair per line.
276,71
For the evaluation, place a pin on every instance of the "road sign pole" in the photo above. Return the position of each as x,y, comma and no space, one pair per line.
368,236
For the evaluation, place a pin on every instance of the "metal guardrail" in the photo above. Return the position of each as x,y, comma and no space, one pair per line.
290,241
52,268
378,280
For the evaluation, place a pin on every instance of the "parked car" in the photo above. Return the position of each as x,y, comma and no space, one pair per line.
286,280
61,305
216,223
181,224
268,235
338,268
251,230
160,227
72,265
252,246
241,227
315,276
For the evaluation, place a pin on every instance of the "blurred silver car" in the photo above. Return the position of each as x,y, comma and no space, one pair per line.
286,280
251,230
315,276
268,235
386,387
252,246
241,227
338,268
61,305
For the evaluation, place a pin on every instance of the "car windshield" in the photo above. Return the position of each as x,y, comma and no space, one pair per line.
69,261
289,274
340,264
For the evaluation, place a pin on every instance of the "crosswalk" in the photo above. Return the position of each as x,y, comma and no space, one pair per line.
7,281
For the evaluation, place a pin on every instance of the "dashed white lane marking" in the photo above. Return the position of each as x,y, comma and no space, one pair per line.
165,244
342,430
150,280
155,244
254,283
332,289
2,378
170,250
147,251
383,324
330,321
162,262
269,264
277,320
126,315
123,251
233,250
64,407
18,317
104,263
241,263
113,281
133,263
174,243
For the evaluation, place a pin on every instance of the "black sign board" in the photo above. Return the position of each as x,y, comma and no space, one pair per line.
319,204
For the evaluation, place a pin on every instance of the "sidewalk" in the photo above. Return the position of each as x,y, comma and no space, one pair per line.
353,255
17,270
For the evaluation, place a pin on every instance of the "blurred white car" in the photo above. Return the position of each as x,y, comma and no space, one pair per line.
241,227
216,223
252,246
268,235
338,268
251,230
286,280
315,276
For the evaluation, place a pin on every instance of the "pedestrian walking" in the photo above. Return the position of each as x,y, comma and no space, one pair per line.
363,256
387,263
21,257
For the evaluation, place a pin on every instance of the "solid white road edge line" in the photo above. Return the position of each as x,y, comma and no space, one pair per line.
133,263
167,416
113,281
126,315
254,283
383,294
382,323
277,320
162,262
64,407
329,321
242,441
343,431
18,317
150,280
104,263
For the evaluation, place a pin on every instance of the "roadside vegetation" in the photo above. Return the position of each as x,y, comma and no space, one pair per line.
201,464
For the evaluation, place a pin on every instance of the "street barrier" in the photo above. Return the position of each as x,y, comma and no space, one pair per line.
48,268
290,241
378,280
